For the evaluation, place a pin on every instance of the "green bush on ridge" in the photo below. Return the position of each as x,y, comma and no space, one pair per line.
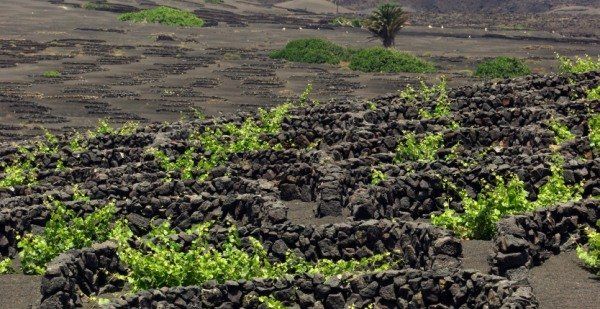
312,50
164,15
502,67
382,60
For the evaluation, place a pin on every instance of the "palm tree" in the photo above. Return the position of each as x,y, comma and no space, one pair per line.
385,22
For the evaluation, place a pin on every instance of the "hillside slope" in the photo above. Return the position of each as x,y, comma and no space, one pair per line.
464,6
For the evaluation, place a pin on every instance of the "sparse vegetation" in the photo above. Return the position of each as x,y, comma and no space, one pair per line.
312,50
590,253
383,60
51,74
385,23
502,67
164,15
423,150
578,65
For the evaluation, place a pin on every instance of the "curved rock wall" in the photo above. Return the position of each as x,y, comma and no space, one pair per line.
527,240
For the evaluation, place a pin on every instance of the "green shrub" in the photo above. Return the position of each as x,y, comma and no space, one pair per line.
578,65
51,74
594,93
161,261
312,50
502,67
64,231
478,221
5,266
424,150
379,59
442,106
219,143
594,131
164,15
561,132
591,255
377,177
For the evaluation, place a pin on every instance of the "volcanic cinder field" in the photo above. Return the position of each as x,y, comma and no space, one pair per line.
240,187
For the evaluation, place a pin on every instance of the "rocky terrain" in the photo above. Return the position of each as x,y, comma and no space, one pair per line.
327,174
315,196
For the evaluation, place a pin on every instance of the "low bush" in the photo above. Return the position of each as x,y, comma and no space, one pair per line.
377,177
379,59
480,215
51,74
5,266
578,65
312,50
164,15
423,150
502,67
590,254
64,231
161,261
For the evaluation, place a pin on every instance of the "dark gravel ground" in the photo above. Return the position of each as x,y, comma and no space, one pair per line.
561,282
19,291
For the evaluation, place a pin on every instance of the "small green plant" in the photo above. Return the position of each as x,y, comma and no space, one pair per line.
377,177
590,254
22,171
271,302
424,150
442,106
64,231
51,74
128,128
347,22
578,65
502,67
304,96
312,50
379,59
594,131
561,132
161,261
76,142
79,195
164,15
5,266
478,221
594,93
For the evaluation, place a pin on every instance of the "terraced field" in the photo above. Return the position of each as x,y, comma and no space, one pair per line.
333,181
